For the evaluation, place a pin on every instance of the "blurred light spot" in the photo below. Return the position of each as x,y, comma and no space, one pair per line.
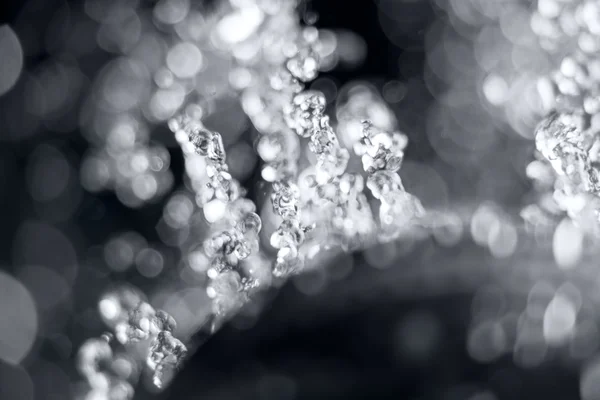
19,315
178,211
540,295
149,263
109,309
326,86
448,230
163,78
122,132
547,93
559,320
215,210
53,90
530,347
549,8
95,173
503,239
37,243
104,11
327,50
195,166
12,58
489,47
495,89
394,91
239,25
46,286
144,186
351,48
240,78
125,83
567,244
487,341
121,251
172,236
524,105
571,292
150,50
481,223
171,11
198,261
121,34
165,102
185,60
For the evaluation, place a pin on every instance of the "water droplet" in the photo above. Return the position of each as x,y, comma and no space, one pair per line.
304,113
285,199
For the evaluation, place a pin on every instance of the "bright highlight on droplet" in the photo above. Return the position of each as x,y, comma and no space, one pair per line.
214,210
12,58
18,307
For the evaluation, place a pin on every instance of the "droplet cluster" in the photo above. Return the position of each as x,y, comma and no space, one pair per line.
566,172
381,153
138,173
237,226
146,325
291,55
328,189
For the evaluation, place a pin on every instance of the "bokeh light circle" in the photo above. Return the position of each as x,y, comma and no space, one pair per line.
18,308
12,58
